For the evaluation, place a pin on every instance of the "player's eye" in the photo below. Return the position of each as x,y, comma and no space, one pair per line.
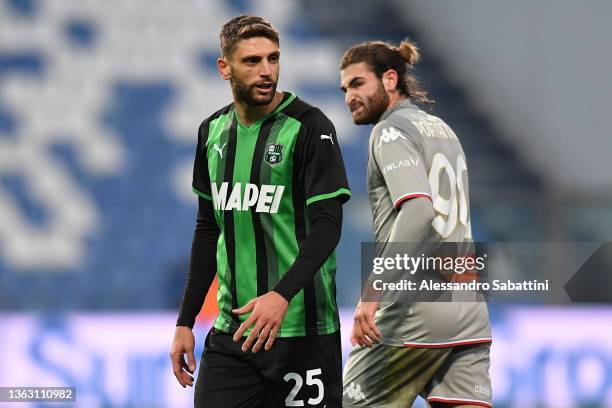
354,84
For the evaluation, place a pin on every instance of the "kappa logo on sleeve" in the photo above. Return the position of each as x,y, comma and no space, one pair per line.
388,135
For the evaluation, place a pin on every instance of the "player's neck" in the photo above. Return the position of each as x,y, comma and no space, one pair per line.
249,114
394,98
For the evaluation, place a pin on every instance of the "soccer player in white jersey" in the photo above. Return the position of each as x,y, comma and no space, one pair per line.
419,192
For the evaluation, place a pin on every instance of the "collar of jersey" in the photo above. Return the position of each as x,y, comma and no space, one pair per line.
398,105
288,98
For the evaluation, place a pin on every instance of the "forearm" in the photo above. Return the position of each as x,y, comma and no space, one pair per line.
322,239
202,264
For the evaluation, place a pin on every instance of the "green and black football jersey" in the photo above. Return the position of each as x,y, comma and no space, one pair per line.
261,178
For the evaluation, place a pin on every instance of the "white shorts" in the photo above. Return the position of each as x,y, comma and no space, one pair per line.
390,377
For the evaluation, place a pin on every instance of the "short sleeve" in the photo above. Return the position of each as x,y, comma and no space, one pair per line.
320,164
400,162
201,176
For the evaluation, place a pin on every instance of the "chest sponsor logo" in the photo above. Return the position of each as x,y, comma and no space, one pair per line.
273,154
388,135
264,198
410,162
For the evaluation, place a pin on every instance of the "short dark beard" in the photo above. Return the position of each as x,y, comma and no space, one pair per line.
244,94
378,104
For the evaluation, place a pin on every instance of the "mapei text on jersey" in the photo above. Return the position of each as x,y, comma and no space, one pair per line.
265,198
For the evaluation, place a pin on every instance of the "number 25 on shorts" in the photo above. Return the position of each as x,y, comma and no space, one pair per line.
311,381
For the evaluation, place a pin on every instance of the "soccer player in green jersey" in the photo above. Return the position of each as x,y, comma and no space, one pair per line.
271,183
419,193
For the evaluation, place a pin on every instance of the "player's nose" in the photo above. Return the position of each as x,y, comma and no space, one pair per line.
265,69
348,97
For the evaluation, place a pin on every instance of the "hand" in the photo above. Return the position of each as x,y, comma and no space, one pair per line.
268,312
365,332
183,342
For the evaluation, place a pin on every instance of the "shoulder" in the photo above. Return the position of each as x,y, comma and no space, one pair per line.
309,116
399,125
427,126
206,122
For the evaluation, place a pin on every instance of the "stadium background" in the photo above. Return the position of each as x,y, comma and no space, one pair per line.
99,105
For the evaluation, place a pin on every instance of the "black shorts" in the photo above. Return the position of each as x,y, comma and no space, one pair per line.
296,372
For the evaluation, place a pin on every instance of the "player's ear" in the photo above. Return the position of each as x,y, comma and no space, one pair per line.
224,68
390,79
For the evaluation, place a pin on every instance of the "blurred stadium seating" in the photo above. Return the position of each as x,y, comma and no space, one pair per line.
100,102
99,106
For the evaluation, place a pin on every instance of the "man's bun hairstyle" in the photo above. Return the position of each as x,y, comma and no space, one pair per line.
382,56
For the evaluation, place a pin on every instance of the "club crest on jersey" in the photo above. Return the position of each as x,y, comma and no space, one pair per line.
274,153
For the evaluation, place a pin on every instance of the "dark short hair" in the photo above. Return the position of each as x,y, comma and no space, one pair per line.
382,56
244,27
